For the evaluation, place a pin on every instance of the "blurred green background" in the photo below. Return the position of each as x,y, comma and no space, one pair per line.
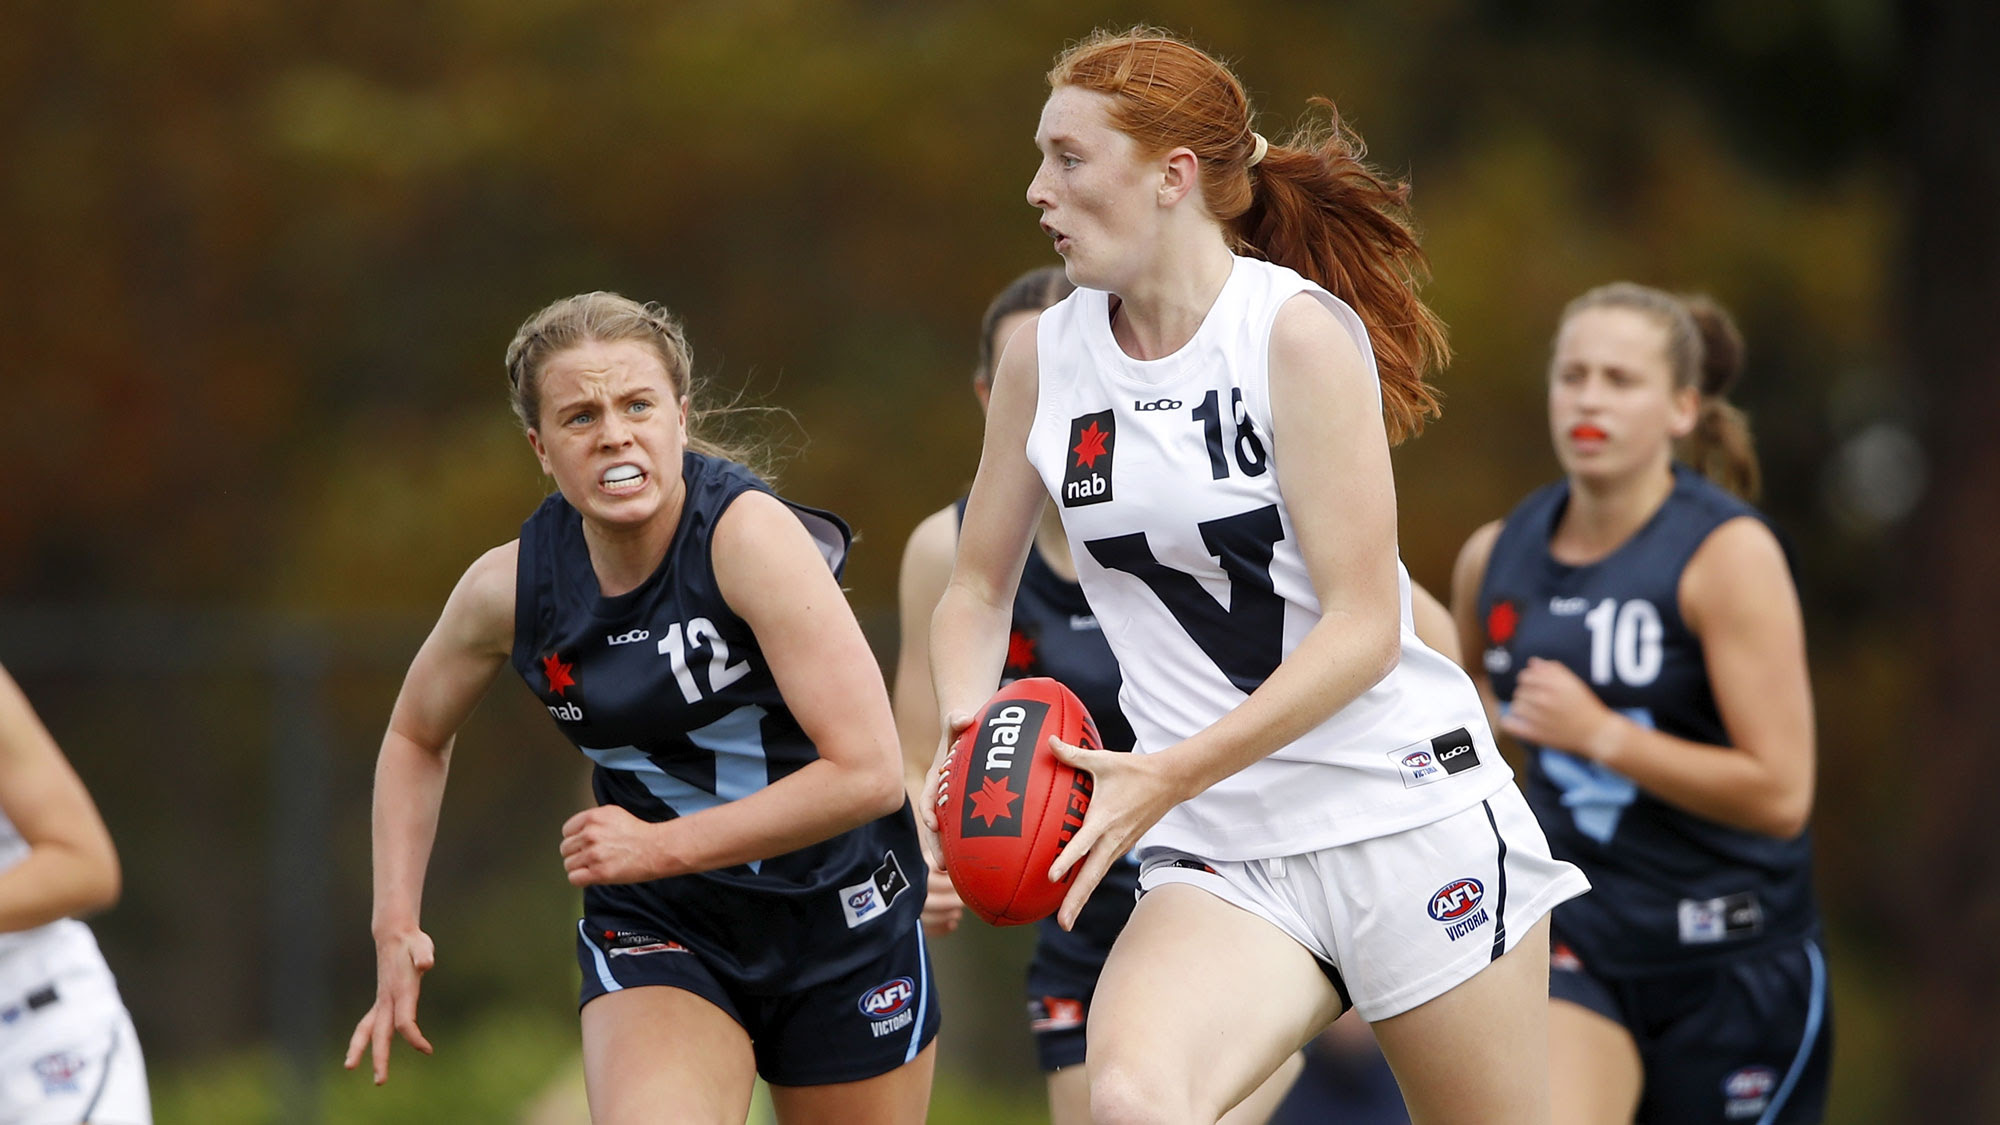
258,263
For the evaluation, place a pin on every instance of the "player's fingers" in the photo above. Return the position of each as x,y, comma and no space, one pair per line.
1074,853
414,1036
955,722
1087,879
1069,755
358,1042
378,1042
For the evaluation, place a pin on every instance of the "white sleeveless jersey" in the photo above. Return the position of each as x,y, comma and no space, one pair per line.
1165,473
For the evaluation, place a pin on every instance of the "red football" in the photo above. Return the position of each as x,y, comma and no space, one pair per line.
1006,804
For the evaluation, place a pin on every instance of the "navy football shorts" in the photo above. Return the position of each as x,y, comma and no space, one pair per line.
1748,1042
866,1023
1063,974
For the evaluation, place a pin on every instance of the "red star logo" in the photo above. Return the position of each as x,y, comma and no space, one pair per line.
1090,445
1020,650
1500,622
992,800
557,672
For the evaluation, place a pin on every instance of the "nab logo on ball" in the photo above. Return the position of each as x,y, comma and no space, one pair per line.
1087,476
998,773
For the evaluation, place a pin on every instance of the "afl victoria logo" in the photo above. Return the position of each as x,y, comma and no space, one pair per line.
1456,899
1417,759
885,1000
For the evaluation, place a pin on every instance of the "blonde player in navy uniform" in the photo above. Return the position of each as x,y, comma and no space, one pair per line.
1636,625
751,871
68,1053
1322,816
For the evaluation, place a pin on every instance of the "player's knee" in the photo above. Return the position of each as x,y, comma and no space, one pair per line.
1126,1094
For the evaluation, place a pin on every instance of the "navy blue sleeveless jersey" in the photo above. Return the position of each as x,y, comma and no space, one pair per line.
1055,634
1669,889
666,690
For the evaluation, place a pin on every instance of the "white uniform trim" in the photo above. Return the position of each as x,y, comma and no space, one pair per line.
1183,441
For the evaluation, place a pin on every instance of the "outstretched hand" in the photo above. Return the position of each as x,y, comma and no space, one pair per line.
1129,794
400,963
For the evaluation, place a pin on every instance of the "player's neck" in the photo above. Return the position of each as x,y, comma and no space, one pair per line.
1603,514
624,555
1161,310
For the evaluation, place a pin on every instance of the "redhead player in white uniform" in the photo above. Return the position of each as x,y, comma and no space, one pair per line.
68,1053
1321,815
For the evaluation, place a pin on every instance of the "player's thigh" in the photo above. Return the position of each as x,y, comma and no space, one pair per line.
898,1097
1265,1099
1069,1096
660,1054
1479,1052
1199,1002
1595,1074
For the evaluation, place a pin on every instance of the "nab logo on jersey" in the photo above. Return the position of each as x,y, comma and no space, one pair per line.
560,677
1087,476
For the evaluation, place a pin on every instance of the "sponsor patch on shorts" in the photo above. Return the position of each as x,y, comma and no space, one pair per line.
890,1006
1707,921
59,1072
1417,764
1055,1013
633,943
1457,905
871,899
1747,1092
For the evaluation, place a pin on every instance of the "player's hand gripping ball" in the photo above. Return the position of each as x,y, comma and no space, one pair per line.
1007,806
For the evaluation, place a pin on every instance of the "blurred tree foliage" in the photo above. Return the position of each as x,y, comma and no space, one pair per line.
259,263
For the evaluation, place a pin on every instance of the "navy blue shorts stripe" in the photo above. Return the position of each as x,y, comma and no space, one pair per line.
1815,1013
1500,891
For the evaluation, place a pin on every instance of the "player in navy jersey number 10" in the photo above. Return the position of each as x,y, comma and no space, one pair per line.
1321,816
751,870
1636,628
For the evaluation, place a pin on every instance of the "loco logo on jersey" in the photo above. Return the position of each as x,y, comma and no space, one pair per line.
1457,905
887,1006
1000,763
1501,621
559,680
1092,442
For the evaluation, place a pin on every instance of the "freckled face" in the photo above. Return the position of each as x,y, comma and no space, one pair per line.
1097,196
612,430
1613,406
